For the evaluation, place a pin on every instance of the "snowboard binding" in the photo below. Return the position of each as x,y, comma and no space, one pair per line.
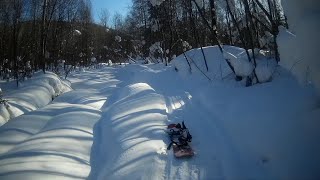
180,138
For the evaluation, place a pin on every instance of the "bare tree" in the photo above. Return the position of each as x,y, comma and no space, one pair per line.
16,17
117,20
42,36
104,17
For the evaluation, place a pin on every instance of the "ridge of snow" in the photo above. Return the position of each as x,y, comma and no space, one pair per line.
218,67
132,129
31,95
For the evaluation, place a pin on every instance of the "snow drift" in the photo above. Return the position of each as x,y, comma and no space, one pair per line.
128,140
193,62
53,142
218,67
31,95
49,143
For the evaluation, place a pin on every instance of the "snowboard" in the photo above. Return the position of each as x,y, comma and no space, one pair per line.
183,151
180,140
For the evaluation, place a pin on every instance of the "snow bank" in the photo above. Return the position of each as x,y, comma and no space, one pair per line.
31,95
265,67
218,67
241,65
49,143
54,142
128,140
299,52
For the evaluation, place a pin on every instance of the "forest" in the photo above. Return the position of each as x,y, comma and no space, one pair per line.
47,34
173,89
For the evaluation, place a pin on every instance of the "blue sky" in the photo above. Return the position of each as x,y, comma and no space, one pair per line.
113,6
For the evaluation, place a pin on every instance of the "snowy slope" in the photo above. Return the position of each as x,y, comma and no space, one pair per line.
238,133
267,131
254,133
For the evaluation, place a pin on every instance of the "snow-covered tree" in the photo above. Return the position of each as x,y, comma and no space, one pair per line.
118,39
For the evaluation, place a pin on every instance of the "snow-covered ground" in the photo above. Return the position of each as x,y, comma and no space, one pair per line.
299,45
30,95
112,126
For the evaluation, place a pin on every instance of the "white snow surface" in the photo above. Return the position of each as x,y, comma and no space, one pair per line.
132,131
31,95
112,126
242,66
298,46
218,68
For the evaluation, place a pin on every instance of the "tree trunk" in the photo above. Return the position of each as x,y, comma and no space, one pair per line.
213,18
42,37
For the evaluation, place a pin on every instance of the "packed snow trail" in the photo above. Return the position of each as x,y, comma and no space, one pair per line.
238,132
130,139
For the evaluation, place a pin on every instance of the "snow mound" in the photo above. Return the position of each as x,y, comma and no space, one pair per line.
218,68
31,95
265,69
135,89
130,135
49,143
241,65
